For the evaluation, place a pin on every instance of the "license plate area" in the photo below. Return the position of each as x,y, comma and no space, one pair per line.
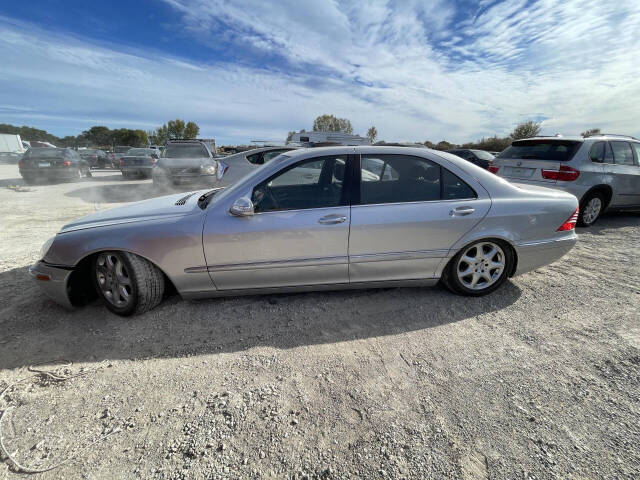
44,164
519,172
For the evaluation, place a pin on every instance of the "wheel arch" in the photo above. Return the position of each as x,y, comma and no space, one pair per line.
603,188
80,286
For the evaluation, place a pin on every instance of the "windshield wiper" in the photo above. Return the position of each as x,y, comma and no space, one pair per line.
205,198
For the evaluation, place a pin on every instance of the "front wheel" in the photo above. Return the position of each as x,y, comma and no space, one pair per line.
128,284
479,268
590,209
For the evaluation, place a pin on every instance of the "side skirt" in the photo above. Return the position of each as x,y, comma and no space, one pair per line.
422,282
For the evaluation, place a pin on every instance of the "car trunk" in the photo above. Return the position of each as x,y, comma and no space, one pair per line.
525,160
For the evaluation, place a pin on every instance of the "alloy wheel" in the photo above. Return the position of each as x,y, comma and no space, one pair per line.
481,265
114,280
592,210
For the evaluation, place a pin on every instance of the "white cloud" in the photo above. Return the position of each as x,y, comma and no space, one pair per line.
417,70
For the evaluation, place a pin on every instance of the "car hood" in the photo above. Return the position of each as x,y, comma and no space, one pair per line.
184,162
176,205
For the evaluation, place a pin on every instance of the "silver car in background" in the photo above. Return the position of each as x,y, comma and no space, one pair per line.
241,163
314,219
602,171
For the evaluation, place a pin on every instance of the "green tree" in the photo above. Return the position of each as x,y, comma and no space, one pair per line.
176,128
372,133
330,123
526,130
444,145
97,135
589,132
191,130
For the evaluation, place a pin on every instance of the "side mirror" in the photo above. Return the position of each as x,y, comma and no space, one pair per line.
242,207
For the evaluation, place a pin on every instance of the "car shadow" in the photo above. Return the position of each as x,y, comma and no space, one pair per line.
35,329
611,220
119,193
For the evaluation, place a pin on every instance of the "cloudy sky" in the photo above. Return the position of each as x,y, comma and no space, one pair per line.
245,70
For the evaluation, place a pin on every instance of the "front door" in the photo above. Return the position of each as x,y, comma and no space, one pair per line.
411,211
298,235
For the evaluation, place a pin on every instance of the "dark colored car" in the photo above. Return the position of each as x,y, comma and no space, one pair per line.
118,153
477,157
52,164
187,162
97,158
138,162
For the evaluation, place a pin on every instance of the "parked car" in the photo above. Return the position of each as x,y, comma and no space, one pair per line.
138,162
602,171
52,164
477,157
118,153
186,162
310,220
239,164
95,157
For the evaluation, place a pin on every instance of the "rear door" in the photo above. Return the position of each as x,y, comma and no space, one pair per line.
623,174
408,213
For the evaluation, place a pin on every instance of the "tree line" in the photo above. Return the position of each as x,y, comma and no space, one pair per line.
101,136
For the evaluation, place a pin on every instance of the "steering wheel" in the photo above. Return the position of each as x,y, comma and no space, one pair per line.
265,193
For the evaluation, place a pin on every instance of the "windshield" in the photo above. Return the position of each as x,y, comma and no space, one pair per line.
120,149
558,150
87,152
482,155
185,151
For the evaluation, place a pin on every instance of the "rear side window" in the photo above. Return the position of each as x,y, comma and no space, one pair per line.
637,148
403,178
597,152
559,150
622,153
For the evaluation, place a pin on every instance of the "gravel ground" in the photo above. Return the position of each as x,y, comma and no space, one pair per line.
539,380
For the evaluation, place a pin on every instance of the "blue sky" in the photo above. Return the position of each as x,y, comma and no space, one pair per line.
244,70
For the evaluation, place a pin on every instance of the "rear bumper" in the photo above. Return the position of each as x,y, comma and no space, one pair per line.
136,168
57,173
53,280
533,255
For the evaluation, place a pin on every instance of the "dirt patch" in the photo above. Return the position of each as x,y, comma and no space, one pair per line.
538,380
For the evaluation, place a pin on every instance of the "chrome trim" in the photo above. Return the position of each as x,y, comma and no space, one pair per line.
300,262
390,256
200,269
550,241
470,199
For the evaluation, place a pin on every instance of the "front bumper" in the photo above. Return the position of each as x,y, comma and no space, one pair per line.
188,179
533,255
53,280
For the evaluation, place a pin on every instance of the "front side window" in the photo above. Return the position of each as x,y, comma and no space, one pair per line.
637,148
312,183
403,178
622,153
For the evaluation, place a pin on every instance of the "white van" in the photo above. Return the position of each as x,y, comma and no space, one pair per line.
11,148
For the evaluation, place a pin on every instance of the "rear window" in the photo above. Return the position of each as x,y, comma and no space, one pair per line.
47,153
559,150
141,151
482,155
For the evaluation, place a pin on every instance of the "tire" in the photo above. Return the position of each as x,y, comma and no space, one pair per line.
28,179
126,283
88,174
591,207
477,259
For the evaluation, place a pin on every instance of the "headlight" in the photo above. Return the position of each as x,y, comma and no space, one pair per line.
208,169
45,248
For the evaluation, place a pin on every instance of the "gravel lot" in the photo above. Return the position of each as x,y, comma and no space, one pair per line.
539,380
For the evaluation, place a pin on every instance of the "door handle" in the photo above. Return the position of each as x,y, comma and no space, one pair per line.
462,211
332,219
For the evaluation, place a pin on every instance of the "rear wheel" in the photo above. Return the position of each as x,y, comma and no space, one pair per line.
590,209
127,283
479,268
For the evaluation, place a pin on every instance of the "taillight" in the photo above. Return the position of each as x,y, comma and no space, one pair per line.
564,174
570,224
493,169
66,163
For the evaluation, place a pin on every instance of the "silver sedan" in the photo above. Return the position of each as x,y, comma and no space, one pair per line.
314,219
